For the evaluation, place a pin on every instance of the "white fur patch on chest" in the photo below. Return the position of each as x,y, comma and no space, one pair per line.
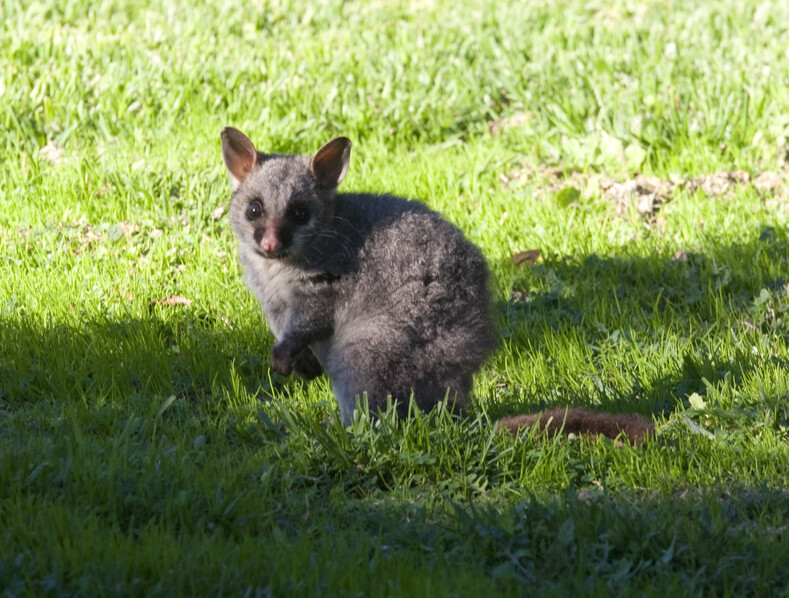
273,284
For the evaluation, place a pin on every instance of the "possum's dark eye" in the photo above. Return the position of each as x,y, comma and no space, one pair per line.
254,210
299,214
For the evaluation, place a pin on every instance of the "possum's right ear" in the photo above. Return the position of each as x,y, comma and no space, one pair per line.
239,154
330,164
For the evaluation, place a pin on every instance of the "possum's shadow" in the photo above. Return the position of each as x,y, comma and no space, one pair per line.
603,301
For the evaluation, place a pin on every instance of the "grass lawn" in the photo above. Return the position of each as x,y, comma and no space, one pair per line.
146,449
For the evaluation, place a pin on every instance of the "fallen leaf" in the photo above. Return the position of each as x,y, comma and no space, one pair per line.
526,258
218,213
171,300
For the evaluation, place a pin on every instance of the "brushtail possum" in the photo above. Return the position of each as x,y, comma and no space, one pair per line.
379,292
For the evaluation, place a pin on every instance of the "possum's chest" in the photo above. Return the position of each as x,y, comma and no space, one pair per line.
274,287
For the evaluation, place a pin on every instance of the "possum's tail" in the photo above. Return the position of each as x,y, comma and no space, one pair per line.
581,421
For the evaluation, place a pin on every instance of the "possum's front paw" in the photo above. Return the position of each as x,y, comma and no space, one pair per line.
306,365
282,359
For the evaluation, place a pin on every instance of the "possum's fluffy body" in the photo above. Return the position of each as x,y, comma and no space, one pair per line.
388,295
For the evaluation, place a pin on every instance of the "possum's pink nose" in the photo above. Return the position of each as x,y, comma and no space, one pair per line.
270,244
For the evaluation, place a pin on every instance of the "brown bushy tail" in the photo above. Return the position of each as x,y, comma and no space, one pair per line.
581,421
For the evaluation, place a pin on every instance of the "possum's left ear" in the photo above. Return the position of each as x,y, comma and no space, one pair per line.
239,154
331,162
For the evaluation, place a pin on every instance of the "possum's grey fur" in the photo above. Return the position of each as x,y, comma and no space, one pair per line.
388,295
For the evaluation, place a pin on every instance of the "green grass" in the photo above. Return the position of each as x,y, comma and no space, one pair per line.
146,448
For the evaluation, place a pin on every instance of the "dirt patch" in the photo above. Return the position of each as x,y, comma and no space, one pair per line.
645,193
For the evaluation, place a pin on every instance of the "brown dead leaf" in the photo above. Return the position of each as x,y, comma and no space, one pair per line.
526,258
218,213
171,300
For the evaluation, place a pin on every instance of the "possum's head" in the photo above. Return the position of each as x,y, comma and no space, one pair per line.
281,203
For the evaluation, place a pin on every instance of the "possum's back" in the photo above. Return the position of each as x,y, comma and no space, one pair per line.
421,284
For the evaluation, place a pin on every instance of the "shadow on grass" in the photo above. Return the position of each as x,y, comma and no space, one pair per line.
725,540
172,352
293,490
711,307
722,540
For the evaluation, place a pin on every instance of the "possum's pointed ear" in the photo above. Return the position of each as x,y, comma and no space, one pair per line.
331,162
239,154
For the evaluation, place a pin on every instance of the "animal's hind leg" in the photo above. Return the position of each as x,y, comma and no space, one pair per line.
453,394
